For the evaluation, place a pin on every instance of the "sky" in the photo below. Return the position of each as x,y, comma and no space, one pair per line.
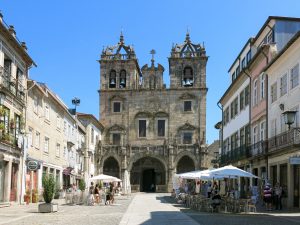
65,39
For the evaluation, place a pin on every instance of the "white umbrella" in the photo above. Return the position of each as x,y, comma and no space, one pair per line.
230,172
199,174
105,178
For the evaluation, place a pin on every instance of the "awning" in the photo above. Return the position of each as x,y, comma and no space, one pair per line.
67,171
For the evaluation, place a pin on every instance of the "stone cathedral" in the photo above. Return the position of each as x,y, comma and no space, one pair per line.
152,132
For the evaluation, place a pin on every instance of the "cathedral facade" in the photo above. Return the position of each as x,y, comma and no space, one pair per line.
152,132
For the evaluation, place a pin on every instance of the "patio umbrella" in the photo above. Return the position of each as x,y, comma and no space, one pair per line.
105,178
230,172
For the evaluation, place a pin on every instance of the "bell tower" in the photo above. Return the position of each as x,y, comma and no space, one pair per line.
187,65
119,67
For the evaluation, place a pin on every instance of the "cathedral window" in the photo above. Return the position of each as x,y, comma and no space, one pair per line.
161,125
142,128
112,79
187,106
187,137
122,79
188,78
116,138
116,106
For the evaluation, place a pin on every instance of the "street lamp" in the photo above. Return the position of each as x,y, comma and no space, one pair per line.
289,117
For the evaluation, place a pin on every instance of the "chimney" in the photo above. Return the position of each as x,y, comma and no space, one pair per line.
23,45
12,31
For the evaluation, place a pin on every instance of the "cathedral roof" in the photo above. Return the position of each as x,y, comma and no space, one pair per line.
188,49
119,51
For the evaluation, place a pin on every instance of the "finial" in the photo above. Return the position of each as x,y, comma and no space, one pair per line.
121,36
187,37
152,52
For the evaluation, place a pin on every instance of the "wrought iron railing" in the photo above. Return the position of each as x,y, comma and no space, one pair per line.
285,139
258,149
11,84
235,155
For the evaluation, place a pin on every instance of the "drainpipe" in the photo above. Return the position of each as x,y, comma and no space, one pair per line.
221,107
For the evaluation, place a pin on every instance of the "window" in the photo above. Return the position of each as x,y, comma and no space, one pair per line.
270,37
30,137
65,152
233,76
117,107
236,105
92,136
248,56
187,106
47,112
161,128
247,95
283,126
262,130
242,96
255,93
122,79
247,135
283,85
255,135
46,144
35,104
112,79
295,76
242,137
37,139
296,122
142,128
188,78
243,63
234,141
226,115
187,138
273,128
116,138
237,71
65,127
57,153
262,86
274,92
58,121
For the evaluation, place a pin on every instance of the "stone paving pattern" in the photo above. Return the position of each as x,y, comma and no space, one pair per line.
142,209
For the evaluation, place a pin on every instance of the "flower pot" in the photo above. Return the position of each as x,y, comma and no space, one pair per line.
48,207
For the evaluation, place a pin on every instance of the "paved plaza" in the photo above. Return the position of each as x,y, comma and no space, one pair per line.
138,209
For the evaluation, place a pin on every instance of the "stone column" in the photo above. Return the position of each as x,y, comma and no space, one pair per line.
7,181
290,183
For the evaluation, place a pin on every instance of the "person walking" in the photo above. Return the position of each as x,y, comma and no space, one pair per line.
268,196
278,195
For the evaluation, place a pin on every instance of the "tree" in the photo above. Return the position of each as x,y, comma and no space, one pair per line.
81,185
49,188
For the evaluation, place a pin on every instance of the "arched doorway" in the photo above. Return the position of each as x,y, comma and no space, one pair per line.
148,174
111,167
185,164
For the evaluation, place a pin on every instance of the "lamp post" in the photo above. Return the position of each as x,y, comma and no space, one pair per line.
289,117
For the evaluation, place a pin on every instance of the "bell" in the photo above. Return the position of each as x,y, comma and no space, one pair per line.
122,82
188,82
112,82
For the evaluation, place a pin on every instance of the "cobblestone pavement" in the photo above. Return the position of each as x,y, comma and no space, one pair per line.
67,215
265,218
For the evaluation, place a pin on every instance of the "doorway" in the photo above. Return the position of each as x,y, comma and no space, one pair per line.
296,185
148,183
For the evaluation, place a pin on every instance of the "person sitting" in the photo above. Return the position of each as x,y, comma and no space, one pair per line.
97,194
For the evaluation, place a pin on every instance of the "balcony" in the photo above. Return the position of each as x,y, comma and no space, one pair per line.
8,142
258,149
235,155
286,139
11,85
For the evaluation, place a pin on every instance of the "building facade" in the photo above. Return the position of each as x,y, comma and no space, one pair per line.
284,142
14,66
152,132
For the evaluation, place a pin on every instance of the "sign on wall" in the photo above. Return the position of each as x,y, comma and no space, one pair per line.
32,165
295,160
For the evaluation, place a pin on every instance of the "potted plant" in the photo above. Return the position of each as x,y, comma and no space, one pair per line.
81,187
35,196
2,111
48,194
12,124
27,197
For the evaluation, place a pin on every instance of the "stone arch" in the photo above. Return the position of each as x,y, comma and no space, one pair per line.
186,154
111,167
104,158
139,156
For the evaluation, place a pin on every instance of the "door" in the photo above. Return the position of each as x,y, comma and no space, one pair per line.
148,184
296,185
14,181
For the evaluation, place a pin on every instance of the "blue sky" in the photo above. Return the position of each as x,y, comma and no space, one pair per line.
65,38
